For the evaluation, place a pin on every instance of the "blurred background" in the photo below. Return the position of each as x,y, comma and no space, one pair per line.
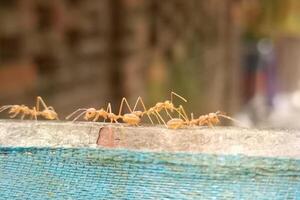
238,56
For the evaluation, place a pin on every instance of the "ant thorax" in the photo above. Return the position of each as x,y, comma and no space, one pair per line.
25,110
169,105
102,113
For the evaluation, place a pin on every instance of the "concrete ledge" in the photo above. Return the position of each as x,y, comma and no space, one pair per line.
217,140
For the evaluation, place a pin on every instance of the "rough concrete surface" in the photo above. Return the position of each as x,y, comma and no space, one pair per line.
217,140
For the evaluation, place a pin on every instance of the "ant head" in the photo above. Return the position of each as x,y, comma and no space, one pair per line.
50,114
14,108
90,113
214,117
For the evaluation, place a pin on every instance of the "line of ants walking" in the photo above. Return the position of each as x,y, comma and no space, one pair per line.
133,118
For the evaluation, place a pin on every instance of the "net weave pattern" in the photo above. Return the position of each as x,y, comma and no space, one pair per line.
88,173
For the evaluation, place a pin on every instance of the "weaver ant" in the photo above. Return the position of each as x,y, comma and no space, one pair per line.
176,123
210,119
47,113
166,105
134,117
90,114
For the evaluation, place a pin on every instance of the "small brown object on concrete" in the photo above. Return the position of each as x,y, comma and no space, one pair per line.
106,137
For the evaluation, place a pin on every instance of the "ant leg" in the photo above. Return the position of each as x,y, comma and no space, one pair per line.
161,118
192,119
23,116
112,119
35,114
139,99
73,113
156,117
168,113
124,100
38,101
210,125
182,113
14,115
175,94
31,117
109,110
96,117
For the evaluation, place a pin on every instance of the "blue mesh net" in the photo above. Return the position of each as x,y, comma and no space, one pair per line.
79,173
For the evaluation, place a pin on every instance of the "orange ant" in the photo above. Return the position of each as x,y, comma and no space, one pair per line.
176,123
47,113
166,105
91,114
134,117
112,116
210,119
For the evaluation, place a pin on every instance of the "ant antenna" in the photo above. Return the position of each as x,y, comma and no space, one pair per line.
221,114
173,93
73,113
79,116
3,108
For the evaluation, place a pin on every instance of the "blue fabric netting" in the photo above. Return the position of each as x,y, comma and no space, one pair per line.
85,173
